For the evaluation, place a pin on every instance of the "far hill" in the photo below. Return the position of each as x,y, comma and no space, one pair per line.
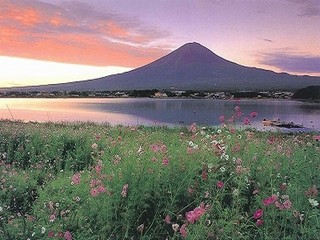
190,67
311,92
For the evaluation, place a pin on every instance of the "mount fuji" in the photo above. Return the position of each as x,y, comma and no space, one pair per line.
190,67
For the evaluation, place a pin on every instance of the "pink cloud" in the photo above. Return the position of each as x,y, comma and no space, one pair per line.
76,34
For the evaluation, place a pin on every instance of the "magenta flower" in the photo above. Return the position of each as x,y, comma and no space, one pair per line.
246,121
191,217
220,184
165,161
198,212
270,200
258,214
195,214
253,114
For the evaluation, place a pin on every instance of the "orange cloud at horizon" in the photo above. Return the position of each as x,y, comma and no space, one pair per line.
77,49
41,31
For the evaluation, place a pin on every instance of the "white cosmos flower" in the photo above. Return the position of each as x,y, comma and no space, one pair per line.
313,202
175,227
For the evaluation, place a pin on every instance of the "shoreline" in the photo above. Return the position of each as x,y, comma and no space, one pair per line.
155,94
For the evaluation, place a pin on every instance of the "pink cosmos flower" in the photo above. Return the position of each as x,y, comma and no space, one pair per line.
259,222
75,180
67,235
154,148
239,169
124,191
317,138
193,128
51,234
52,217
258,214
94,146
220,184
94,192
198,211
279,205
204,174
183,231
238,161
195,214
190,190
98,168
283,186
312,192
190,216
101,189
222,118
94,182
287,204
231,120
189,150
167,219
256,191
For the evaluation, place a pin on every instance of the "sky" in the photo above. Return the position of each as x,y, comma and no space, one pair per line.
55,41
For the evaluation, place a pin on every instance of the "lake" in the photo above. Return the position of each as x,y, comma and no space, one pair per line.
170,112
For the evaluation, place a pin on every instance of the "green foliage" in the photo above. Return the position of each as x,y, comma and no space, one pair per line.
102,182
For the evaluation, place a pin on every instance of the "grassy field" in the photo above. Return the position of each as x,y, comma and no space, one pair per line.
88,181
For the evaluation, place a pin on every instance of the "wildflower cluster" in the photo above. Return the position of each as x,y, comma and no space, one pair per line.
118,182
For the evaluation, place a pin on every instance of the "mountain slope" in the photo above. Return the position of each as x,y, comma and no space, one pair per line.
190,67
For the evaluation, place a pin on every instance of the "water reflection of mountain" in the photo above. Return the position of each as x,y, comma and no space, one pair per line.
310,107
207,111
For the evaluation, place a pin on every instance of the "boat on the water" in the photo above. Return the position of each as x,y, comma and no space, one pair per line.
278,123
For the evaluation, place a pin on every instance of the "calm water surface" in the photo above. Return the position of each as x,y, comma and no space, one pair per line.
136,111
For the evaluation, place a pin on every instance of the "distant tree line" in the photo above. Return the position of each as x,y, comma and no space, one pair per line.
311,92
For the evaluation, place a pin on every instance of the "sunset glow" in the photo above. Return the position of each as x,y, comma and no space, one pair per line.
18,72
53,41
